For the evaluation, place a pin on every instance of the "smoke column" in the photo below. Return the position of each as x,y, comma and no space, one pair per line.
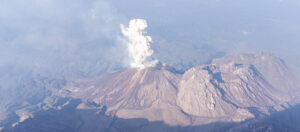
138,44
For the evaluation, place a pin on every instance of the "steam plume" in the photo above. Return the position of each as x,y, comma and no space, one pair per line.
138,44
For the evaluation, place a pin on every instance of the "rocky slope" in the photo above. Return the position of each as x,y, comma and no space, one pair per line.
147,93
216,90
273,69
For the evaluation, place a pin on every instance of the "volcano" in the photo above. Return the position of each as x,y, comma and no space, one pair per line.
221,91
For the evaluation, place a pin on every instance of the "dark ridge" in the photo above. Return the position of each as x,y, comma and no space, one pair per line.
70,119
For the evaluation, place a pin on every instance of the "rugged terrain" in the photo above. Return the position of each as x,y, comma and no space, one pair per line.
240,89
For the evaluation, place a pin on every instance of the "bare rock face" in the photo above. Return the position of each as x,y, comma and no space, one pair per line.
198,95
217,90
244,86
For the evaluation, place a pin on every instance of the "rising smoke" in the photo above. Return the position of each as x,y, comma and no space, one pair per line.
138,44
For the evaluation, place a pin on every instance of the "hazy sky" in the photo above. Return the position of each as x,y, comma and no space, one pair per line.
228,25
84,35
58,35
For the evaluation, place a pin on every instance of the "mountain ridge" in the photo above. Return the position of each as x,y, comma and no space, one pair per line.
229,90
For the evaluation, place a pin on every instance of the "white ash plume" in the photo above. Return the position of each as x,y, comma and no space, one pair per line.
138,44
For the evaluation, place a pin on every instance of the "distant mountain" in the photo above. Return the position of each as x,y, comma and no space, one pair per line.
273,69
233,89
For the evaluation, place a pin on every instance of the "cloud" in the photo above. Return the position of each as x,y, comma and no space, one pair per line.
57,36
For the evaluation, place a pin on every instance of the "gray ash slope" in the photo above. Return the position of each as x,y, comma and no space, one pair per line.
231,89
